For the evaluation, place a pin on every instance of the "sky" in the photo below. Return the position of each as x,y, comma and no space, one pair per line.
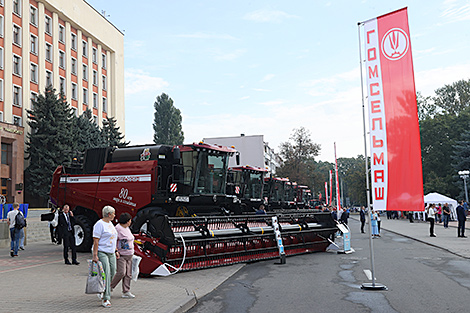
268,67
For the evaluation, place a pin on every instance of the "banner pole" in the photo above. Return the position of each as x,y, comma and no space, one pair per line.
373,285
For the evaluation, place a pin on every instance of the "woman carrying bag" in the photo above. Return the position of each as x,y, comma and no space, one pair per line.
104,249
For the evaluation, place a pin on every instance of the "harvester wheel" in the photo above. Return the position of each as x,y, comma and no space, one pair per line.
156,223
83,236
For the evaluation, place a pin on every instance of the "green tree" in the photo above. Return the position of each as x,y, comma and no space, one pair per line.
426,107
352,174
453,98
298,157
50,121
461,158
167,122
86,133
111,134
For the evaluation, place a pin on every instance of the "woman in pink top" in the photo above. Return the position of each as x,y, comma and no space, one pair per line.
125,247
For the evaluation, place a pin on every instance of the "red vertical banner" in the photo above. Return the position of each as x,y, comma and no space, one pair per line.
396,171
326,192
338,200
331,188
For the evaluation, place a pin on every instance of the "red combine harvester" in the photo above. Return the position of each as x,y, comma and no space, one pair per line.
183,217
247,183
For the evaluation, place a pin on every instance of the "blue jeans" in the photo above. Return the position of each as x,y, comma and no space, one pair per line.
21,244
15,239
446,220
109,266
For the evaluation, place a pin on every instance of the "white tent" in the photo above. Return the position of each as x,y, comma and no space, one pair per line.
437,198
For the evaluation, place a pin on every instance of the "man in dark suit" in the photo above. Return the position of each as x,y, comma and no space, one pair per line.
362,213
66,230
461,217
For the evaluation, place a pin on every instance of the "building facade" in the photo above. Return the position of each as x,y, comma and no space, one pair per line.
66,44
254,151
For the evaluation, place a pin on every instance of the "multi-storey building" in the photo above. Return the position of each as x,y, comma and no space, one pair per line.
66,44
254,151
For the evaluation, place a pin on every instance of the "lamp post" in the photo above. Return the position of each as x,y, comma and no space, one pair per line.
464,175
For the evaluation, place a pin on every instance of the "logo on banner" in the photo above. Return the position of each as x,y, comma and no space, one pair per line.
395,44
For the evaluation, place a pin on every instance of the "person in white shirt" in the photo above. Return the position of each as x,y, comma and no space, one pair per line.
104,249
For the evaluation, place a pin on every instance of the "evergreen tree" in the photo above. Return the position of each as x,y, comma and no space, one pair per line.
167,122
86,133
461,158
50,121
111,134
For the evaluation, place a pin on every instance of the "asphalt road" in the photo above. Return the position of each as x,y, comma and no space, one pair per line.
420,278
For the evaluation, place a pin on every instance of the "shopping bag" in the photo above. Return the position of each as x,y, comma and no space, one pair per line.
95,282
135,267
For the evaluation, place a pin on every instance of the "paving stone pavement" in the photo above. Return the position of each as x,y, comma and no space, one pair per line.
39,281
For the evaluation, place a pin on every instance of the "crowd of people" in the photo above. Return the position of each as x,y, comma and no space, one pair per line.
113,246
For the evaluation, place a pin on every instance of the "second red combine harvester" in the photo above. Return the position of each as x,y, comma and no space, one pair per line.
183,217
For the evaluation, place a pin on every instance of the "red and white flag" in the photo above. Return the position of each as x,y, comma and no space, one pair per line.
396,172
331,188
326,193
338,200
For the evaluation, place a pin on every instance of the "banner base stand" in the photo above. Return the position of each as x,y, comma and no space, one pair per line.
373,286
345,252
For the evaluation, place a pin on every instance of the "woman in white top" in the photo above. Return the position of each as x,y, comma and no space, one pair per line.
431,217
104,249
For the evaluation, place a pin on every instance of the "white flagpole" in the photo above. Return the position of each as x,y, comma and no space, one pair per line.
373,285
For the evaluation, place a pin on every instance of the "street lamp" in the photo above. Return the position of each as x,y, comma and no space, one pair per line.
464,175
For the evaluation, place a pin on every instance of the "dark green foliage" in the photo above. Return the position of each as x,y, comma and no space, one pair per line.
455,98
50,135
167,122
111,134
86,134
461,158
298,157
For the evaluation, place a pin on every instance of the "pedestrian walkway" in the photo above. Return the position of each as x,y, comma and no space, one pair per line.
446,238
39,281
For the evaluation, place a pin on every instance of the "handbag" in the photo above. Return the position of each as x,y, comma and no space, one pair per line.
96,279
135,266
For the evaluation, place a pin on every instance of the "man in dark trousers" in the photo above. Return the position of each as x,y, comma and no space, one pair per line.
461,217
363,219
66,230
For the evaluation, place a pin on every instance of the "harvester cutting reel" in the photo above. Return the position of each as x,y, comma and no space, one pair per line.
172,244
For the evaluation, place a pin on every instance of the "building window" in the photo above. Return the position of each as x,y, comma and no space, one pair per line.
73,68
61,59
1,57
85,72
74,91
61,33
95,78
85,48
94,56
48,52
1,119
16,35
34,44
33,99
1,89
75,111
33,15
95,101
34,73
16,65
16,95
85,96
48,78
103,56
74,41
104,82
17,120
95,119
62,85
48,25
17,7
105,105
1,25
